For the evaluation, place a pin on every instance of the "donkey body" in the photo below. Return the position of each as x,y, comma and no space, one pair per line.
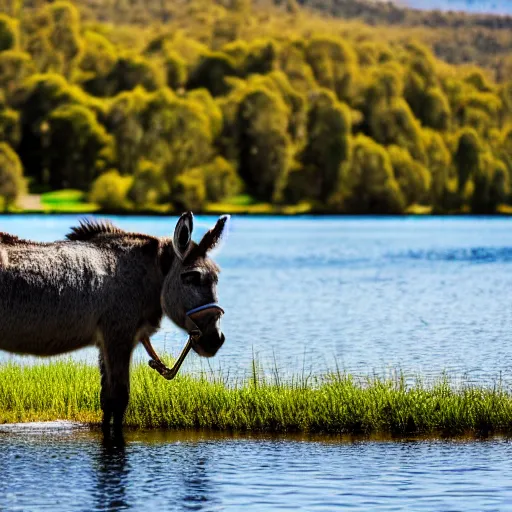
108,288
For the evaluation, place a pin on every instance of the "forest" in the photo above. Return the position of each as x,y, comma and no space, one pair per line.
160,106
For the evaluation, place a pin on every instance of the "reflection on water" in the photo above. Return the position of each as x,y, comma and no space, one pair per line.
111,472
68,470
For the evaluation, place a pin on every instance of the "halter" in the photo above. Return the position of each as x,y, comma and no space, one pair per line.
211,305
194,335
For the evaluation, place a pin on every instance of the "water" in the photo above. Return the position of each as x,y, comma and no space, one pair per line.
60,468
370,295
425,296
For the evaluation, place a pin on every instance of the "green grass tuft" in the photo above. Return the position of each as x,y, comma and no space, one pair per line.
331,404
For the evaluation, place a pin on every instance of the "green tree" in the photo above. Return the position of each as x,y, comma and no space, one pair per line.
261,57
175,70
12,184
220,179
149,187
369,183
65,33
110,191
211,73
263,143
39,96
9,124
125,123
467,157
439,164
131,71
15,67
97,64
328,145
412,177
491,184
8,33
334,64
78,148
396,124
188,192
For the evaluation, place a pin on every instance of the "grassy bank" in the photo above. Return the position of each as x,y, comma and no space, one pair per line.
329,404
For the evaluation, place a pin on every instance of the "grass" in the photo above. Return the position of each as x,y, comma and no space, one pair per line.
331,404
68,201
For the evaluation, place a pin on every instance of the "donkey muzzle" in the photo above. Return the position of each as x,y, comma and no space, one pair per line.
204,328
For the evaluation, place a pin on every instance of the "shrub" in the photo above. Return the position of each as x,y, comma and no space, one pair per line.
110,191
8,33
188,192
12,184
149,186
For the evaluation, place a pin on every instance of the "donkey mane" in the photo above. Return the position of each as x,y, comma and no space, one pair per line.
6,238
90,228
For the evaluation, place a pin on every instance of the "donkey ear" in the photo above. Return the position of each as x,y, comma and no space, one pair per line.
212,237
183,231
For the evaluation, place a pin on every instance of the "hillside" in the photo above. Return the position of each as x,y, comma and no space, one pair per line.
246,105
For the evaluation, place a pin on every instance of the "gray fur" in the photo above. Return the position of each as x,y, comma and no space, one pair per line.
102,286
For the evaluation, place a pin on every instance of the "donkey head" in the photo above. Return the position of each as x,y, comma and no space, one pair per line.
189,295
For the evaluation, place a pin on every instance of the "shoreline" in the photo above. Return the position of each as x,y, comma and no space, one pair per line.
334,404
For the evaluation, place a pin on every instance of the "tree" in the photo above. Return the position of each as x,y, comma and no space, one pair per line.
220,179
369,185
467,156
149,186
65,33
261,57
413,178
439,163
328,145
97,63
15,67
8,33
396,124
211,72
124,122
175,70
9,125
334,64
491,185
12,184
40,95
188,192
78,148
110,191
263,143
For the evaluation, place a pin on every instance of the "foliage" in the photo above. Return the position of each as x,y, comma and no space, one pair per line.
8,33
78,147
149,186
110,191
370,182
328,146
12,184
189,192
195,102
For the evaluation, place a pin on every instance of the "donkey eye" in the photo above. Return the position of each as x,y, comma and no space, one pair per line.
192,277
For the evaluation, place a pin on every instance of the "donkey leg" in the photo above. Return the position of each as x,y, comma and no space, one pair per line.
105,395
118,357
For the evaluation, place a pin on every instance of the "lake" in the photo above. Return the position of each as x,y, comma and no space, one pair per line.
422,296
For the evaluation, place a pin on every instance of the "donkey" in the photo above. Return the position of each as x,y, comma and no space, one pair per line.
106,287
